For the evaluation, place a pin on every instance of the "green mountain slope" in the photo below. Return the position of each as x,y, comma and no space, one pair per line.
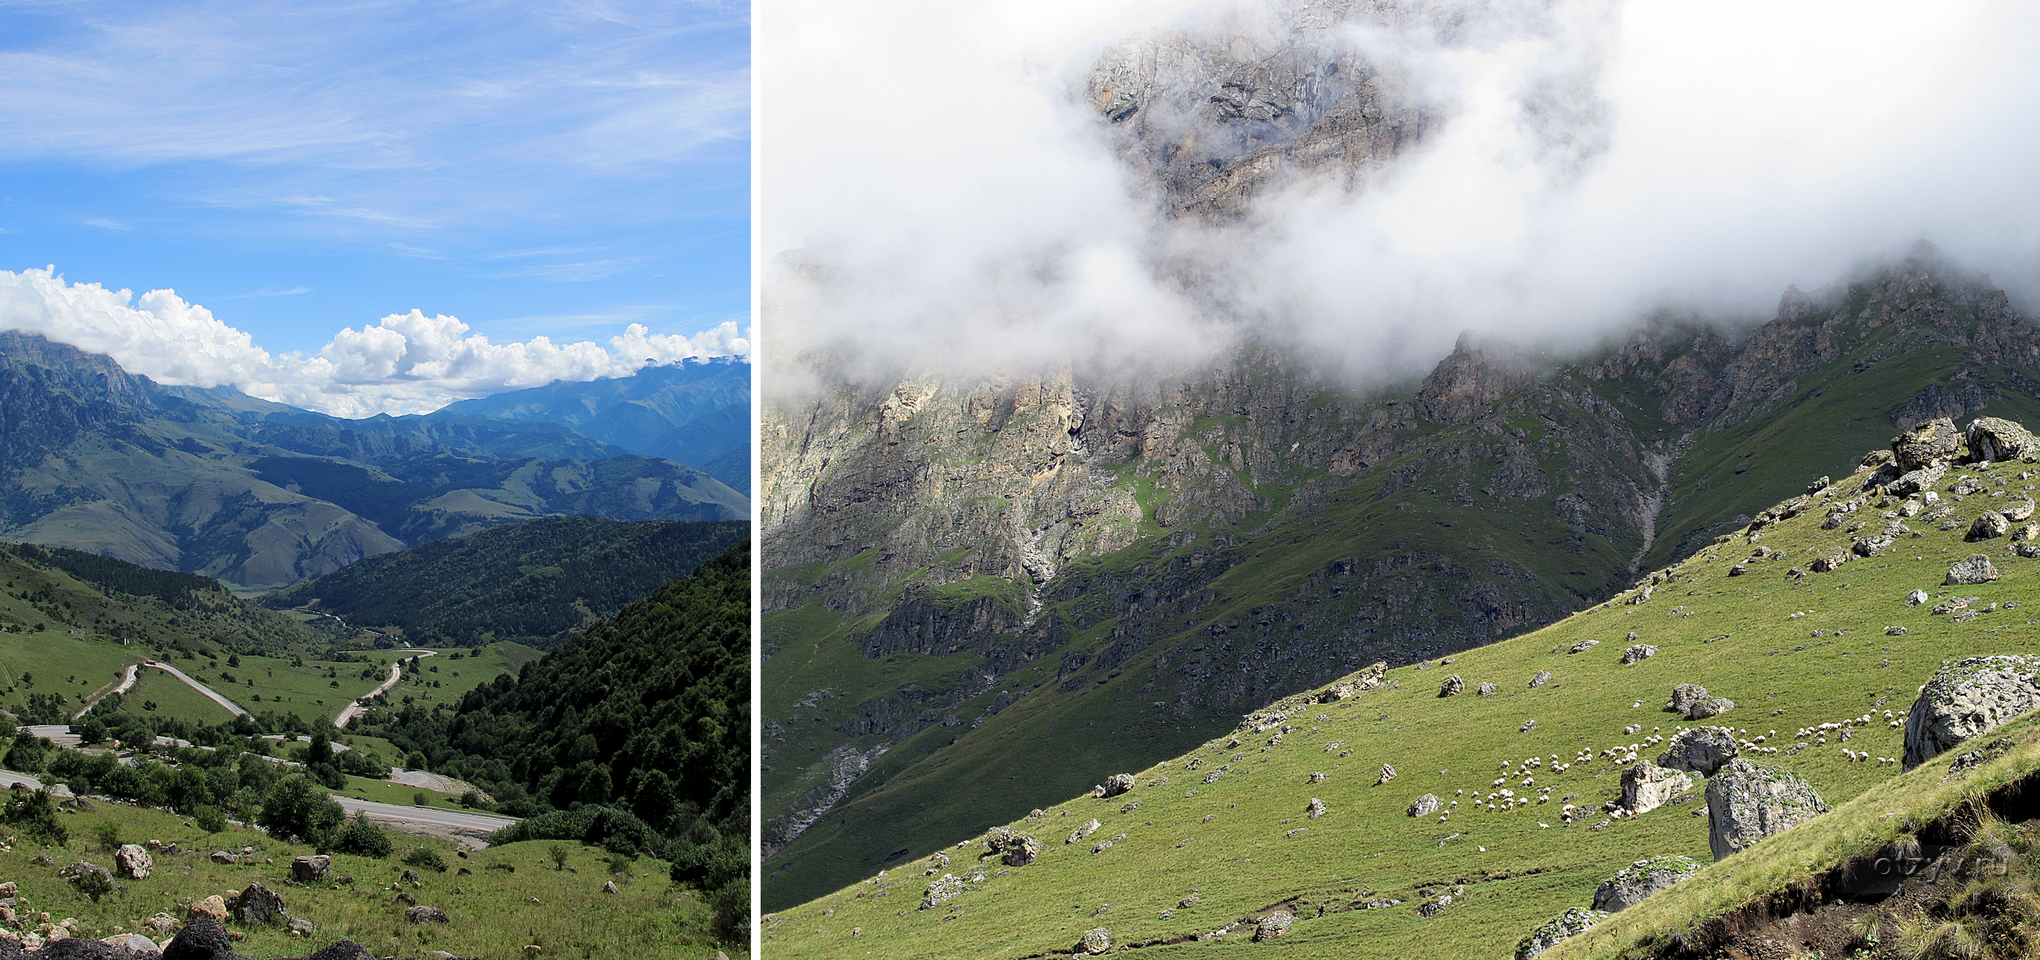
531,582
967,582
261,495
1210,842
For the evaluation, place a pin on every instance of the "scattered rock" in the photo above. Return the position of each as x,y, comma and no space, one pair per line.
1425,805
222,856
311,869
255,906
1932,442
1684,696
1387,774
1997,439
1541,678
1747,802
1989,526
1583,646
1647,786
1014,848
1701,750
300,927
1829,563
2018,512
1488,690
1095,941
1914,481
1083,830
1114,785
944,889
140,945
1966,699
1977,569
1894,631
1638,653
1452,687
133,862
1316,808
426,915
610,887
1572,923
1709,707
1272,926
213,908
1915,598
1632,883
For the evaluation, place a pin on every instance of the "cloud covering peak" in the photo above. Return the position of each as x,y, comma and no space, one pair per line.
1567,166
405,363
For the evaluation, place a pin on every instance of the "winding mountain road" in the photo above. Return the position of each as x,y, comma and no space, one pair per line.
354,709
459,822
127,682
232,707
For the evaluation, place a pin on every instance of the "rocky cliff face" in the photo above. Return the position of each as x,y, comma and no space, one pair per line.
986,593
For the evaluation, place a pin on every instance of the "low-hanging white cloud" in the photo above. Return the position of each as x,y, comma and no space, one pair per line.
1741,146
404,363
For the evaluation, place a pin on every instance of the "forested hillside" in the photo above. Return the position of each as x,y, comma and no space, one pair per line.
531,582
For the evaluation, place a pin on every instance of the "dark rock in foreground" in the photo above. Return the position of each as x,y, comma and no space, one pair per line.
201,940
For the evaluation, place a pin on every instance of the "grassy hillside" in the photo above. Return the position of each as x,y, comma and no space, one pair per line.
531,582
1792,651
493,911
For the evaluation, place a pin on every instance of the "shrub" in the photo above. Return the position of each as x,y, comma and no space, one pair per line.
361,838
209,819
35,816
427,858
297,807
107,833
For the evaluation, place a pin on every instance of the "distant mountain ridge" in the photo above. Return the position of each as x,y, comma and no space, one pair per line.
262,495
695,412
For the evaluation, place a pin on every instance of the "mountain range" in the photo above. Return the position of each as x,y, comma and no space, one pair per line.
980,596
262,495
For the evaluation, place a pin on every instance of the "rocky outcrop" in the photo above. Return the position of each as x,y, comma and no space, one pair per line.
256,905
1572,923
1095,941
1974,570
1994,438
1966,699
1425,805
1013,848
1632,883
133,862
1637,653
1647,786
1684,696
311,869
946,887
1747,802
1701,750
1932,442
1452,687
1113,786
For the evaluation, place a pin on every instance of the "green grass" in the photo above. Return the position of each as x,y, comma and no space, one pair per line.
494,913
1737,636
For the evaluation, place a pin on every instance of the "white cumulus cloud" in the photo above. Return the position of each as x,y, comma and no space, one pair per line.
404,363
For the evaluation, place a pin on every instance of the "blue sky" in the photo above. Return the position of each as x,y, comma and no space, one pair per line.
558,170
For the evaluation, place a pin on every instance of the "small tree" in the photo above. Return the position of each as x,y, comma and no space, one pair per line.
361,838
298,808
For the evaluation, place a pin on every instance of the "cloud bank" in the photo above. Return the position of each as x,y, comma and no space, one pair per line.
406,363
1720,152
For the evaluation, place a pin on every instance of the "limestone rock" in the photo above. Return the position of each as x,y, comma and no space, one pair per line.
1935,441
1966,699
1647,786
1701,750
1452,687
1706,707
1572,923
1632,883
1114,785
133,862
1684,696
1083,830
1095,941
223,857
1316,808
1638,653
1915,598
1366,679
1989,526
1387,774
1747,802
1012,847
1829,563
1272,926
213,908
140,945
945,888
256,905
1488,690
1996,439
1977,569
2019,512
1541,678
423,914
311,869
1425,805
1915,481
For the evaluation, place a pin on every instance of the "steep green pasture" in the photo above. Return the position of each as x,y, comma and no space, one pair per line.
1790,652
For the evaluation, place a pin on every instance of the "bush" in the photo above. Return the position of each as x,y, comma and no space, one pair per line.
107,833
730,912
361,838
427,858
209,819
297,807
35,816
